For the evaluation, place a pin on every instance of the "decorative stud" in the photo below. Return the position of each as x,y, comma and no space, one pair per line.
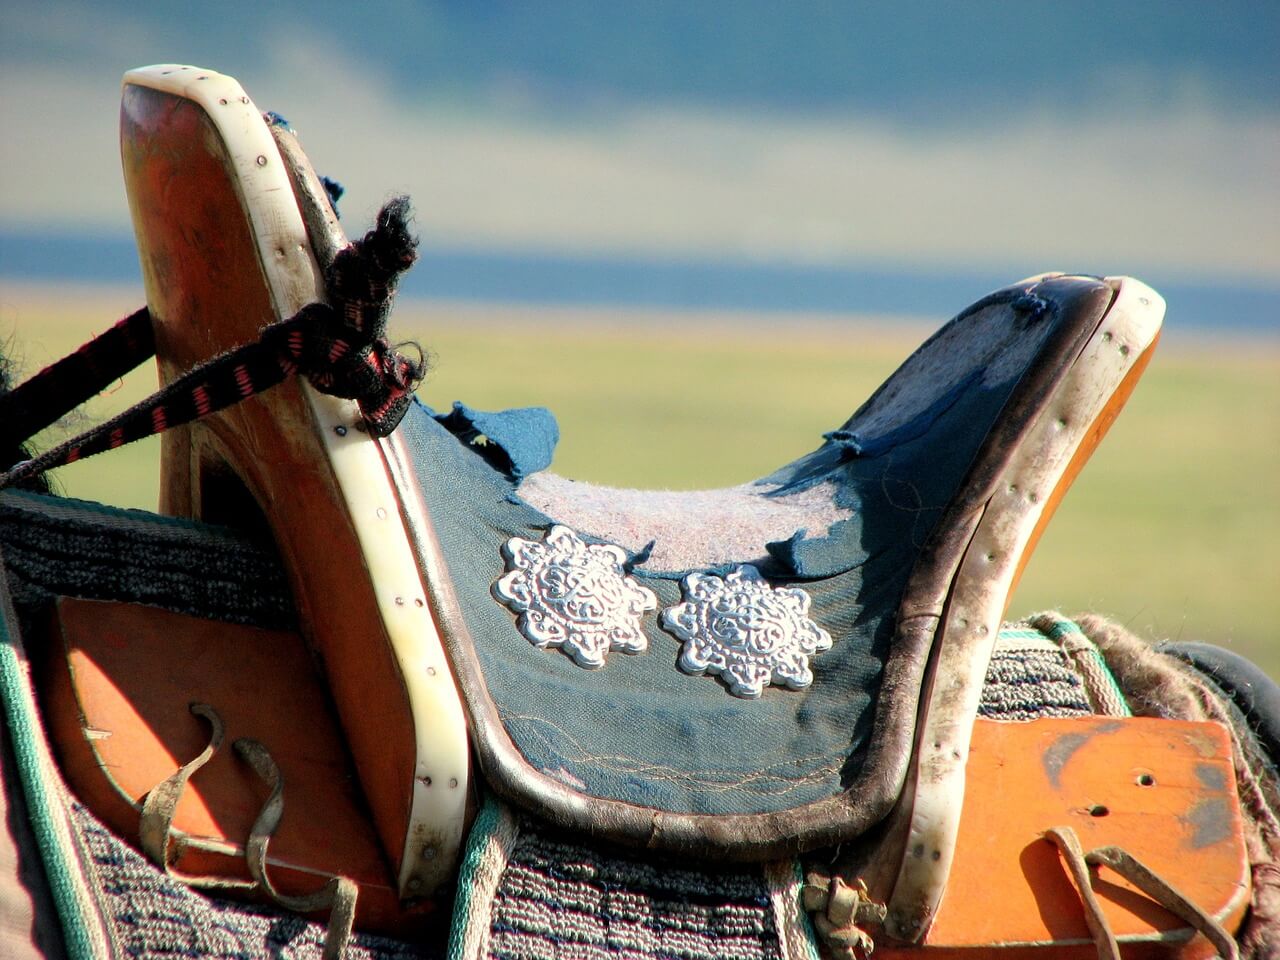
745,631
574,595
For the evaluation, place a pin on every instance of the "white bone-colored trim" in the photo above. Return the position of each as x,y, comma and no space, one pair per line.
441,777
980,595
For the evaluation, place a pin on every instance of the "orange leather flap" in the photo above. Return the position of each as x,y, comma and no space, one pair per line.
117,689
1164,790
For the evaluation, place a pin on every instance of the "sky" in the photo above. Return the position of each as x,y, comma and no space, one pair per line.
984,135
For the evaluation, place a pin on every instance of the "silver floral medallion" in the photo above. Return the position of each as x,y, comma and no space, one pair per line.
574,595
747,632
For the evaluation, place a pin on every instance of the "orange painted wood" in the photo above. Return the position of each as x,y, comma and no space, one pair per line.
117,686
1164,790
207,293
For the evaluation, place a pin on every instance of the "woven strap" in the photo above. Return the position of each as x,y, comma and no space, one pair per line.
340,346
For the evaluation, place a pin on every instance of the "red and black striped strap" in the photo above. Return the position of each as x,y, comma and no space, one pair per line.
75,379
340,346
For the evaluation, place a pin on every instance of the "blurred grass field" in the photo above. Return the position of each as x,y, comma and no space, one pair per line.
1173,529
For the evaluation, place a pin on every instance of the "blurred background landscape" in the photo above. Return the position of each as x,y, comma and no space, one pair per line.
703,233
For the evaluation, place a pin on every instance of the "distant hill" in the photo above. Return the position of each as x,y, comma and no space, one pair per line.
930,61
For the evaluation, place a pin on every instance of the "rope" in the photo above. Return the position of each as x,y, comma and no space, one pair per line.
840,911
340,346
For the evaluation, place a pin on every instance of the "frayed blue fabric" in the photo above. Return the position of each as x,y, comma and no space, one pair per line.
517,442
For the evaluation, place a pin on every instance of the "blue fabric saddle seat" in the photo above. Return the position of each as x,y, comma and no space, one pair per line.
743,664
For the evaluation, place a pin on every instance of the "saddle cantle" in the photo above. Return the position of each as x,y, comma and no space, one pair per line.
738,675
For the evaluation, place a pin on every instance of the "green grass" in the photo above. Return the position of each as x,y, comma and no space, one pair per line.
1172,529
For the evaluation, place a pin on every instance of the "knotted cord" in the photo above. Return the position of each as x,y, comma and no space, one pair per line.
340,346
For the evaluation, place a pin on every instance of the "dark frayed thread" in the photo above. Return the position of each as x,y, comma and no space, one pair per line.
639,558
1034,307
15,452
334,191
361,284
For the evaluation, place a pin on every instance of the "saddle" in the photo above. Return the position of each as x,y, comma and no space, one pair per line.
749,675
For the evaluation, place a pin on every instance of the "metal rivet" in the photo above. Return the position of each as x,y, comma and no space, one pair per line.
1098,810
382,513
1124,349
453,782
244,99
223,101
431,671
417,602
1106,337
428,853
262,161
1146,780
399,601
415,884
426,781
340,431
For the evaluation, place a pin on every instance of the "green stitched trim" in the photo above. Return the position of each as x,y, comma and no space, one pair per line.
1018,631
60,863
1110,679
483,831
1059,629
806,921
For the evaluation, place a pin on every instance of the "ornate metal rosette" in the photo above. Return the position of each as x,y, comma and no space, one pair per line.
574,595
747,632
